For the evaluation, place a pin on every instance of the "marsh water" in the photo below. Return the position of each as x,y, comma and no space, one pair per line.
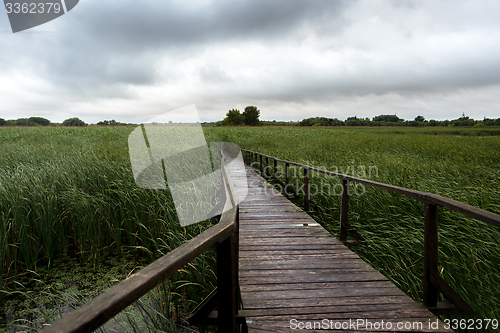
38,297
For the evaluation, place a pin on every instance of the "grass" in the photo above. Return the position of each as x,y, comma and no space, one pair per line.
460,164
68,198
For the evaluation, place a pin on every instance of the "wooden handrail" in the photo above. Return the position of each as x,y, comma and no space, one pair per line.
224,235
432,282
471,211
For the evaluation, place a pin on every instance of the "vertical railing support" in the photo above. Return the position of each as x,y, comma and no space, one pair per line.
275,173
287,177
261,166
266,168
227,281
430,254
306,189
227,285
344,210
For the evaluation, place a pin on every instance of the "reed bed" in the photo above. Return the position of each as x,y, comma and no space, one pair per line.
464,166
69,193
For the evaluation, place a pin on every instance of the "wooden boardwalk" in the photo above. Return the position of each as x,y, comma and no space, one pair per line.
294,274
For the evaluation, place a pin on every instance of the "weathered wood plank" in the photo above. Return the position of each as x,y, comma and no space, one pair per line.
317,285
320,293
336,302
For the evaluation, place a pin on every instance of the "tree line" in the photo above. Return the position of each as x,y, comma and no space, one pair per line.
39,121
393,120
250,117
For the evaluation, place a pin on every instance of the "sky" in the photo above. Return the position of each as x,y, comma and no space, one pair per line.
134,60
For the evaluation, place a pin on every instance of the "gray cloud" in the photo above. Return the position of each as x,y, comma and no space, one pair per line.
129,58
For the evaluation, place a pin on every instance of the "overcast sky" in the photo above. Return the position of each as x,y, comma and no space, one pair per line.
133,60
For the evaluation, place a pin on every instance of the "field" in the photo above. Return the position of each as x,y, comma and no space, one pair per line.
68,197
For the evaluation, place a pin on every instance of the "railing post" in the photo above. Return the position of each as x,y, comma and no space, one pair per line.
344,210
275,174
226,285
287,177
261,166
266,167
306,189
430,254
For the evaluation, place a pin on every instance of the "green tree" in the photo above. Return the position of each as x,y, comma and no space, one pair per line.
389,118
39,121
22,122
75,121
251,116
321,121
419,119
233,118
111,122
2,122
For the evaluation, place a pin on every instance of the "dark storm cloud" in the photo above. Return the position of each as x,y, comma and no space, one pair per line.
166,54
133,25
119,43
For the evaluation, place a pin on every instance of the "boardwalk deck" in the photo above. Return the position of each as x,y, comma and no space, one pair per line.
294,274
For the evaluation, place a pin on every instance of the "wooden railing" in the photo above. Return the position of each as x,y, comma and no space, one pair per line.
433,283
224,236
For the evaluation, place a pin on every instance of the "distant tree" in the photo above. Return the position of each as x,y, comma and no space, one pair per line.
388,118
75,121
491,122
233,118
2,122
22,122
38,121
419,119
111,122
355,121
462,121
251,116
321,121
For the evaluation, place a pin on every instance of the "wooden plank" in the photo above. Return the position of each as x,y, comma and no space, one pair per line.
299,241
332,252
315,278
287,247
335,302
319,293
362,311
317,285
307,265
